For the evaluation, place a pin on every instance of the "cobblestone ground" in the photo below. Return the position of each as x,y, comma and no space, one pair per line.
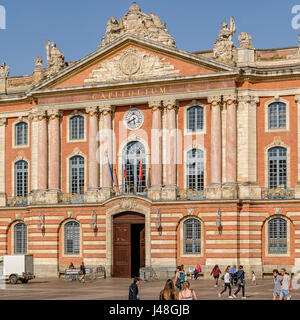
117,289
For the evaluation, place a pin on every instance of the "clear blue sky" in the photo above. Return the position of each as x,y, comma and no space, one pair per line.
78,26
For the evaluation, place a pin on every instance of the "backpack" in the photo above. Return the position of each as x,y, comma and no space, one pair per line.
182,277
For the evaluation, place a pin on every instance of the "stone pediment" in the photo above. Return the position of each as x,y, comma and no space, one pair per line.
132,64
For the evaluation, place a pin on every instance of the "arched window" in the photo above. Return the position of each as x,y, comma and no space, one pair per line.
277,168
192,236
21,134
195,170
20,238
134,162
72,238
21,179
195,120
77,128
77,175
277,235
277,115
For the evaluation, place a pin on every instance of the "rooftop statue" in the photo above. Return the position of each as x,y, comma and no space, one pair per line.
245,41
140,24
223,49
55,58
4,70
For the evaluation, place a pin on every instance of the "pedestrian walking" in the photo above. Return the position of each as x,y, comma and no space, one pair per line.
187,293
169,291
216,274
253,278
134,289
227,284
82,272
232,273
285,285
179,278
241,283
277,284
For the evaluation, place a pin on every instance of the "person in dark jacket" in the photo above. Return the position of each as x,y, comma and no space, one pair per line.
82,272
134,290
240,282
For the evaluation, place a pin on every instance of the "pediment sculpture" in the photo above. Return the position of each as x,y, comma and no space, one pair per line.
140,24
223,49
55,58
132,64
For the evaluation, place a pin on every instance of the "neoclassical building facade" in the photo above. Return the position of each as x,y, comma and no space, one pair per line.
144,155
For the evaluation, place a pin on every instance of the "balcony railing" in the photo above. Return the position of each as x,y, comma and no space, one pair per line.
17,202
71,198
278,194
139,191
189,194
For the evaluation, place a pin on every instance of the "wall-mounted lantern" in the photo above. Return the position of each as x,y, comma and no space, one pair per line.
93,223
158,221
41,223
219,221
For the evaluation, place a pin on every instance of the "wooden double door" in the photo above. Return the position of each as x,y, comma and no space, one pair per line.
129,245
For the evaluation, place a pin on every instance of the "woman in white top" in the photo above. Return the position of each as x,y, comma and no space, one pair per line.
186,293
253,278
227,284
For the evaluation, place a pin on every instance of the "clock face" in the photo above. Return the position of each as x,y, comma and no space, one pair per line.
134,119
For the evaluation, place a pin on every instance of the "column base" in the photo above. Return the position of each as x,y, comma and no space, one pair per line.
53,197
249,191
230,191
297,190
3,200
154,193
104,194
169,193
37,197
214,191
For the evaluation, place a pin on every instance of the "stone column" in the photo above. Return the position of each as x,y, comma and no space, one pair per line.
247,149
214,191
42,152
297,189
54,156
230,188
3,122
93,183
34,158
106,149
156,152
170,190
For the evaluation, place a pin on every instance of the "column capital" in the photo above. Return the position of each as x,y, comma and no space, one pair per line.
3,122
92,111
170,103
230,99
54,113
297,98
155,104
106,109
253,100
214,100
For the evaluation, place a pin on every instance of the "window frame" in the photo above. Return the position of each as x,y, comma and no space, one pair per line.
278,226
277,158
14,134
194,103
24,244
195,109
23,171
182,237
77,167
287,115
65,239
200,164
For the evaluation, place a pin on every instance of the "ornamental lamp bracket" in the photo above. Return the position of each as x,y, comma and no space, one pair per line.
219,221
93,223
158,221
41,223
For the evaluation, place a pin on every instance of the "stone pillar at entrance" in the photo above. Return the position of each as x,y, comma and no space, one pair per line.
93,182
156,154
54,156
170,141
215,190
3,122
230,187
106,149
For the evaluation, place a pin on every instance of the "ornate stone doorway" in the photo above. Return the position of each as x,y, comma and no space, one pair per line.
128,244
